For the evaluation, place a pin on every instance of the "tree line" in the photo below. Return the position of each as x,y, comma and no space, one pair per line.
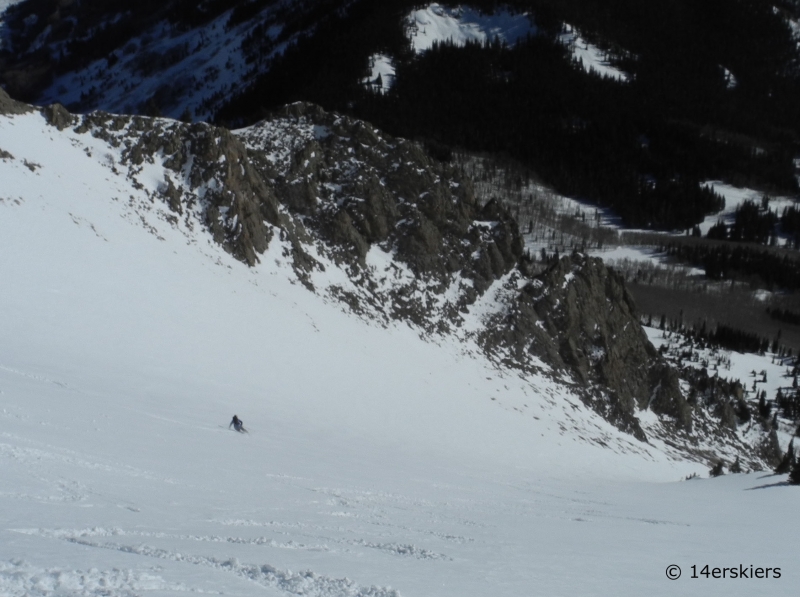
721,261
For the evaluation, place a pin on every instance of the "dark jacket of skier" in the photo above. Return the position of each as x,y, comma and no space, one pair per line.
236,423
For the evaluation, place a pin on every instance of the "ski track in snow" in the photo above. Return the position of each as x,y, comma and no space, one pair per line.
30,456
305,583
21,579
436,23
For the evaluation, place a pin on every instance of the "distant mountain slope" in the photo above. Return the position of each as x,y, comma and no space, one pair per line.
626,105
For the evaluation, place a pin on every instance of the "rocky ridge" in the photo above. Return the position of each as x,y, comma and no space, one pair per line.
414,244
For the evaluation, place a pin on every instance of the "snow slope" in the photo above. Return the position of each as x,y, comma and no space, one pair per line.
436,23
381,66
4,4
377,464
592,58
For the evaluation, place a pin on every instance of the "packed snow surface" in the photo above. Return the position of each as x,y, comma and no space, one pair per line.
377,463
462,24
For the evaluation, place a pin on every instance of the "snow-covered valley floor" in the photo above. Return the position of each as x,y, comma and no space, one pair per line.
375,458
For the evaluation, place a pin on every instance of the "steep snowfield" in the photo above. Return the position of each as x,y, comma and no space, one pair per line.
377,464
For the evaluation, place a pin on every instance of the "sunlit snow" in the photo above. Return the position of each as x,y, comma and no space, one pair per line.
734,198
377,464
382,73
592,58
462,24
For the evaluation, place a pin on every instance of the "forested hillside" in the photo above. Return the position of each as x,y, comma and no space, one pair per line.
704,90
711,95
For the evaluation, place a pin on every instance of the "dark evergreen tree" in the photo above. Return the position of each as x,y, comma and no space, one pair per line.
718,469
788,461
764,408
794,476
718,231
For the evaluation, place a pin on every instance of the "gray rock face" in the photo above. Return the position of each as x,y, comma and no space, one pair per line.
333,190
357,187
579,317
10,106
210,163
57,116
589,309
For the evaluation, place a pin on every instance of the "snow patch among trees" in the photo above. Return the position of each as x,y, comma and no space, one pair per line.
592,58
462,24
382,73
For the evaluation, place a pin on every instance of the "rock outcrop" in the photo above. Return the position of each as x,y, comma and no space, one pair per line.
412,240
357,187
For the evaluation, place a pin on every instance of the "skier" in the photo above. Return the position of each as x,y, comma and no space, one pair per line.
237,424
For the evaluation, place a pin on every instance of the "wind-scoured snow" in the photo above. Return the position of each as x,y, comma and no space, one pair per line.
593,59
377,464
462,24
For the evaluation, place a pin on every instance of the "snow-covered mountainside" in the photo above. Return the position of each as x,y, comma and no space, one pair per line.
419,403
374,224
173,57
590,56
462,24
186,61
